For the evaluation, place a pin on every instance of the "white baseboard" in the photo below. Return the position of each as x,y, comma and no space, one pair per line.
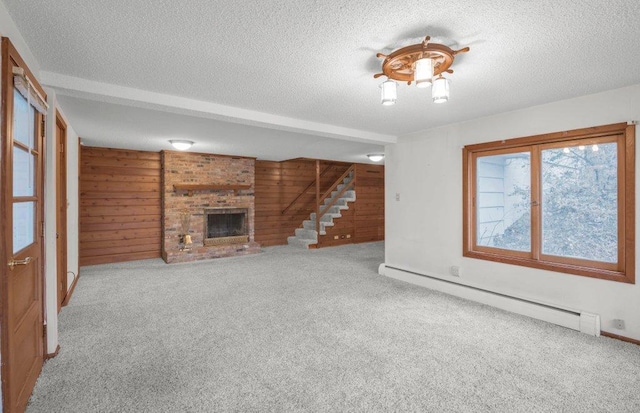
565,317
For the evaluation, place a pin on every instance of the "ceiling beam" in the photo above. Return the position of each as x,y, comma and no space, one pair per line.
110,93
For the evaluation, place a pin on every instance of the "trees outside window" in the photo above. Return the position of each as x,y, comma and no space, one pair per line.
563,202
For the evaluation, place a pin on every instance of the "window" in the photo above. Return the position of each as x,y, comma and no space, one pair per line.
561,202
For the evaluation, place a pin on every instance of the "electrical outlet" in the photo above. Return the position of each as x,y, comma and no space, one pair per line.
455,270
397,196
618,324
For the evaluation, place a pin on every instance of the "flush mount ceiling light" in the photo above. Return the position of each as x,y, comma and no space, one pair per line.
422,63
181,145
376,157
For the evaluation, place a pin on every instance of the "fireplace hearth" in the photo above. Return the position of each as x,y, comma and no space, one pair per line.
225,226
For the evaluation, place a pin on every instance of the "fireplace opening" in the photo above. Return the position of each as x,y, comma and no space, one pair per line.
225,226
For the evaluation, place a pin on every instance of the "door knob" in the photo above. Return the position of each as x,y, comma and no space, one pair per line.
13,263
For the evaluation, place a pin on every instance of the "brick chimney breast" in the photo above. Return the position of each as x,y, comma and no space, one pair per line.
187,207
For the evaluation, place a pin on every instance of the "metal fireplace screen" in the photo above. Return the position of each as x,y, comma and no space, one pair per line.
226,226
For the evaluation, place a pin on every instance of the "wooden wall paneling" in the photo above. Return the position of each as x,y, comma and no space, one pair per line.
343,230
267,203
120,205
369,205
107,259
364,220
277,185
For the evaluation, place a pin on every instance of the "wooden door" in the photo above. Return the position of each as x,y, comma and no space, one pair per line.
21,220
61,208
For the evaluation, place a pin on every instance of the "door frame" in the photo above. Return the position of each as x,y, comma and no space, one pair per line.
61,210
9,55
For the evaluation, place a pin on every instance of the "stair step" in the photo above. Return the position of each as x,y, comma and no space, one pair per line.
341,203
301,243
309,224
347,194
308,233
335,209
328,217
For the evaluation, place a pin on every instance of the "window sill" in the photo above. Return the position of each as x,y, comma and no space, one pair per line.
554,266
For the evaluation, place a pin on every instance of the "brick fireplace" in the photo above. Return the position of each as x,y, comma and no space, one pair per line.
210,199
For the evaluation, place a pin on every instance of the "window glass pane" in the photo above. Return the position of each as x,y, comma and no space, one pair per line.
503,201
580,202
23,174
24,215
23,118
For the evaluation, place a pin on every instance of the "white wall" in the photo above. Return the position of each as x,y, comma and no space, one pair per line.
73,202
50,217
51,262
424,229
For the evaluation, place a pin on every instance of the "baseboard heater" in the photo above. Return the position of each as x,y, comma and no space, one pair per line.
574,319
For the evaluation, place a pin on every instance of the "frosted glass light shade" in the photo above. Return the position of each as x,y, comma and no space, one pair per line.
389,92
440,90
423,72
376,157
181,145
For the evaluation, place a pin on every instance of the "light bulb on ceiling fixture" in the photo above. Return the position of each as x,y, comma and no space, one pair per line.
376,157
181,145
440,90
423,73
418,63
389,92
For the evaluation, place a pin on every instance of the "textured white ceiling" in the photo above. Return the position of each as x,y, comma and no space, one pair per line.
118,126
313,60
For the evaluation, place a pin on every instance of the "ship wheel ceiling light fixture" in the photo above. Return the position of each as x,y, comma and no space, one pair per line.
423,64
